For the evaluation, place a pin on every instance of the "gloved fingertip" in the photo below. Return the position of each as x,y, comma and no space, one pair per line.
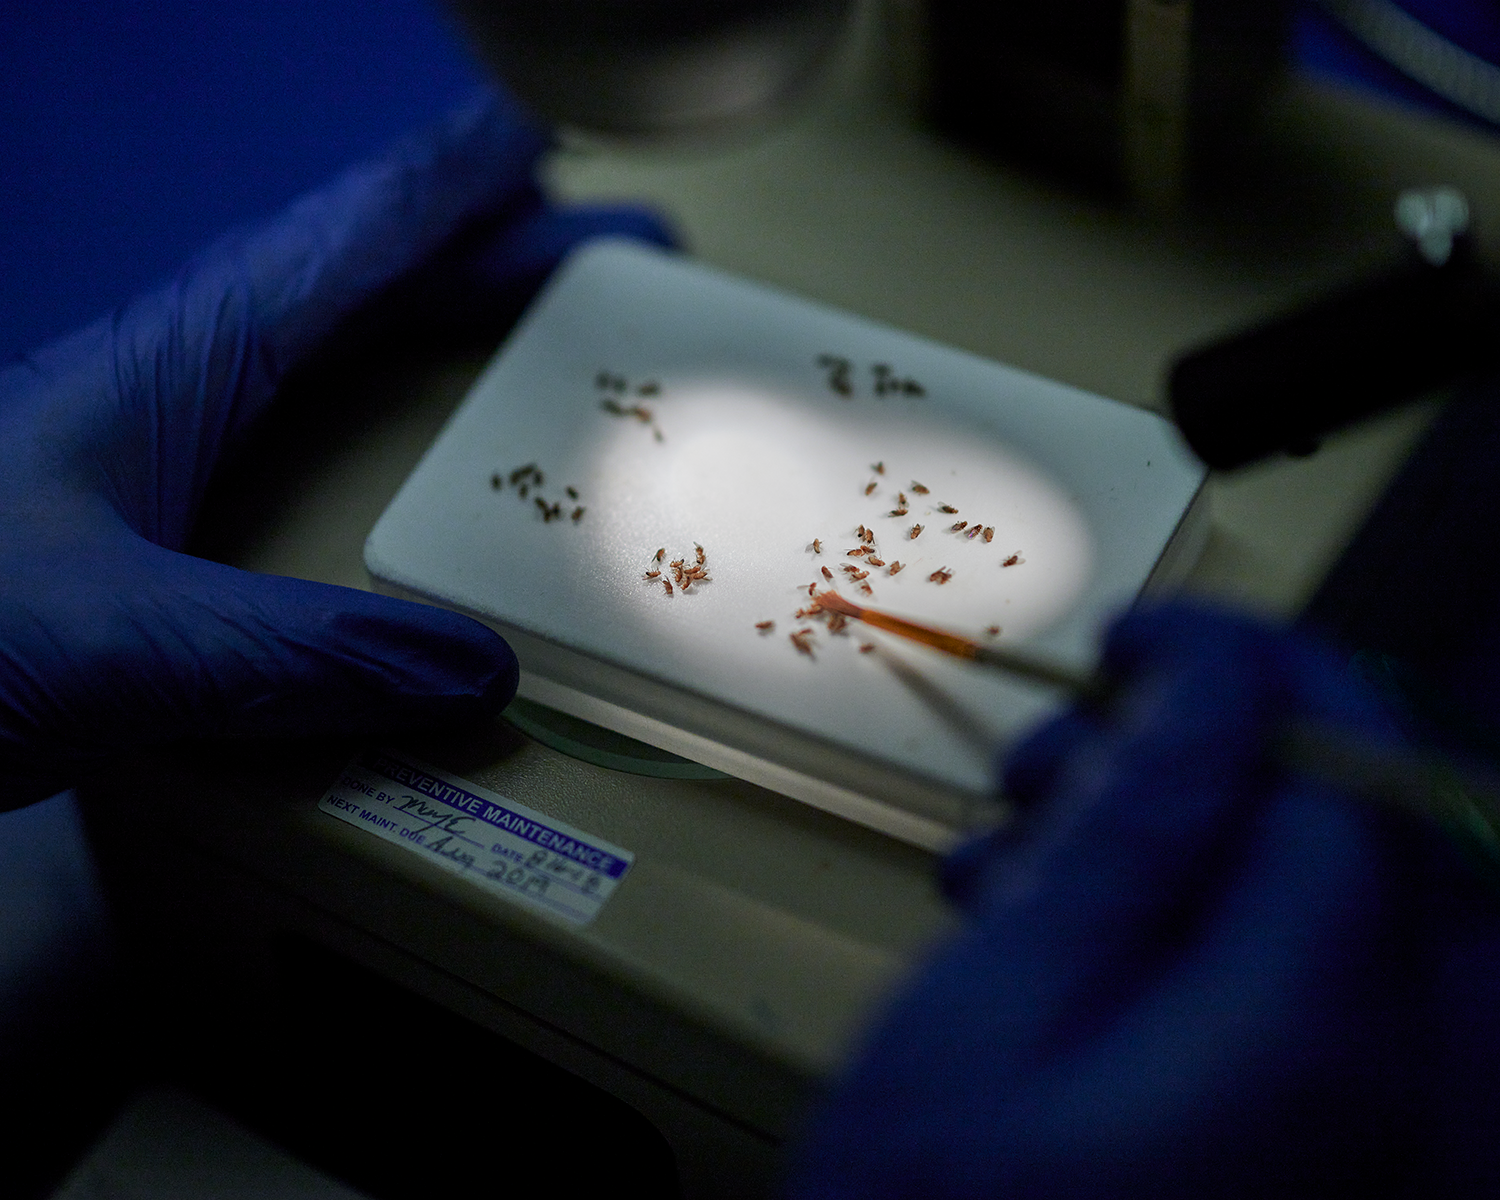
529,248
494,109
288,657
441,666
1028,770
1164,629
961,873
1272,666
636,221
24,787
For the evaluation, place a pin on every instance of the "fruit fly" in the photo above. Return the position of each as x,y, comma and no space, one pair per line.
572,493
918,488
827,574
941,575
838,374
659,555
878,468
947,508
958,526
1011,561
875,562
765,626
802,640
817,545
870,488
667,583
897,568
651,575
992,630
914,532
989,533
578,514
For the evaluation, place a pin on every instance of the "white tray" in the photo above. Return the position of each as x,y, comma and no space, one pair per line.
755,446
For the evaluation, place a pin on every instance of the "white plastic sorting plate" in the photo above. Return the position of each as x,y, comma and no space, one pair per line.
683,407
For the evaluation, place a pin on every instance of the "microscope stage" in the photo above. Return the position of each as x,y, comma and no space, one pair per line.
662,461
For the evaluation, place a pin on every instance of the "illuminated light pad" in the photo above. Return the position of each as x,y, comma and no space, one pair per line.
686,407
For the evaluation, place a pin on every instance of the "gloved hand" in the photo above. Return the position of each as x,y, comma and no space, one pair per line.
111,639
1186,971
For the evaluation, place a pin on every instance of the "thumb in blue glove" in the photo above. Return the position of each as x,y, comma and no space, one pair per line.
110,638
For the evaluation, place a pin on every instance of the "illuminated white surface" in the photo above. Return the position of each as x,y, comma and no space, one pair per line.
757,457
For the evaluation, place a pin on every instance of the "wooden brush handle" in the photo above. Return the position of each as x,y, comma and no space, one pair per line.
949,643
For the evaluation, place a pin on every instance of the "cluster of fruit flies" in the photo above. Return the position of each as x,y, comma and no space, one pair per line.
859,572
802,638
685,573
903,508
887,382
614,386
524,480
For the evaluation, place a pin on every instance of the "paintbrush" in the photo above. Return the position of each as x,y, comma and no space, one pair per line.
1465,802
1016,663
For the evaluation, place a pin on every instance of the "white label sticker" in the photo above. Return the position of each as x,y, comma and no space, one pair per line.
502,846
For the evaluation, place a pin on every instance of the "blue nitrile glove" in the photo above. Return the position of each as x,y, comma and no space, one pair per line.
110,639
1185,971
